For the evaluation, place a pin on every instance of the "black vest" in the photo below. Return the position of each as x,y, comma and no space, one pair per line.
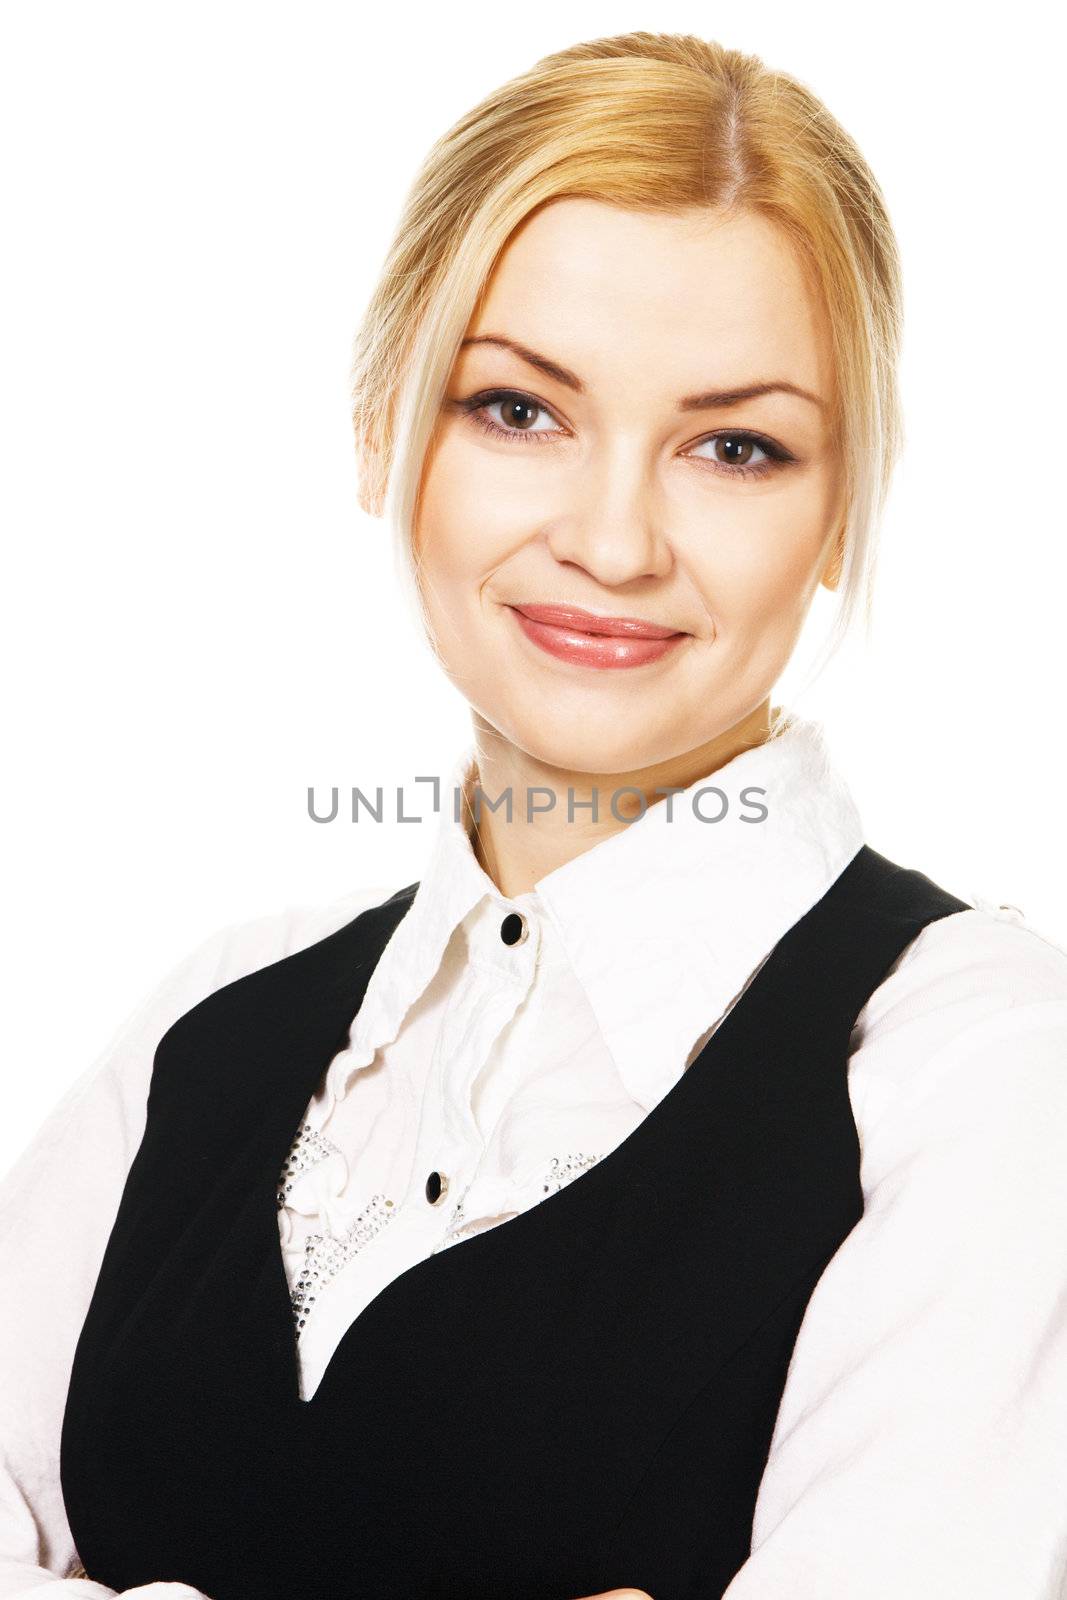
579,1399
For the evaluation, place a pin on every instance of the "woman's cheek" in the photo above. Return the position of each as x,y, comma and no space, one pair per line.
475,514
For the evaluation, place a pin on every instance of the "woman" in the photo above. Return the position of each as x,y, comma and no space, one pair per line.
666,1193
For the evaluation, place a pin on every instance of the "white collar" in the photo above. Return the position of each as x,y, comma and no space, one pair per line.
663,923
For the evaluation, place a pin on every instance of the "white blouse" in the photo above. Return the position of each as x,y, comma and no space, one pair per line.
921,1445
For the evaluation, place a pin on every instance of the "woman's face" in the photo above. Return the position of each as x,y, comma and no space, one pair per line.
621,464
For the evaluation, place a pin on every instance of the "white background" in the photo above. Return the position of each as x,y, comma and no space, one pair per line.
199,622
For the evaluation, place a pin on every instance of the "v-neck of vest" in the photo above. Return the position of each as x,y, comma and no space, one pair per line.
560,1210
509,1235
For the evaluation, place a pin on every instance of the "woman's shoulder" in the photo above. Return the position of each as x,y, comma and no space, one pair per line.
982,990
227,954
247,944
89,1136
988,954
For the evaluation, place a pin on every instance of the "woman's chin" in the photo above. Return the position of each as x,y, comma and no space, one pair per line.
579,747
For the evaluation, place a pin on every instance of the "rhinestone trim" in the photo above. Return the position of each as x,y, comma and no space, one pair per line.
562,1170
308,1148
325,1254
565,1169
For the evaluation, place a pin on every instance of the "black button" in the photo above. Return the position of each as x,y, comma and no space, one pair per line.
436,1186
513,928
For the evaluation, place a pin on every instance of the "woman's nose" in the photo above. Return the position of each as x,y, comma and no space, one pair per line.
614,527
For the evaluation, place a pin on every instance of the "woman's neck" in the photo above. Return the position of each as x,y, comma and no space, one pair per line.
551,818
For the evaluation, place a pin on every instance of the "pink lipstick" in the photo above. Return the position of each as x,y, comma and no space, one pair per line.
571,634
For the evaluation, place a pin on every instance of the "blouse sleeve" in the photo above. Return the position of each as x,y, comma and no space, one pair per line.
921,1444
57,1207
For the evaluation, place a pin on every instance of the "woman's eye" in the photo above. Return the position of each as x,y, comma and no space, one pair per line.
509,414
516,413
737,450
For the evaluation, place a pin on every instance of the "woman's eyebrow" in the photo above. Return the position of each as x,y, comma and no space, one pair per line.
551,368
693,402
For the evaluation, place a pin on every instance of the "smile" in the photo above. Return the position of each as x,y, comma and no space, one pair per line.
637,646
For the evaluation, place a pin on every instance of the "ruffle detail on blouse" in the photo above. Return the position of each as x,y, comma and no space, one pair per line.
356,1055
311,1182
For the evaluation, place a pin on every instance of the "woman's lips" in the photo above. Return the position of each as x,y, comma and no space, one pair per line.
578,636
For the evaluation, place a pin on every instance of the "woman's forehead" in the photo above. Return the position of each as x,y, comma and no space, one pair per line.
683,298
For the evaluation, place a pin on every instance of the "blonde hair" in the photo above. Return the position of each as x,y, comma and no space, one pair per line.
650,121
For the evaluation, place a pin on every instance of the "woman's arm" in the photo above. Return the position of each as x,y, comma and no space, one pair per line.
921,1445
57,1207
